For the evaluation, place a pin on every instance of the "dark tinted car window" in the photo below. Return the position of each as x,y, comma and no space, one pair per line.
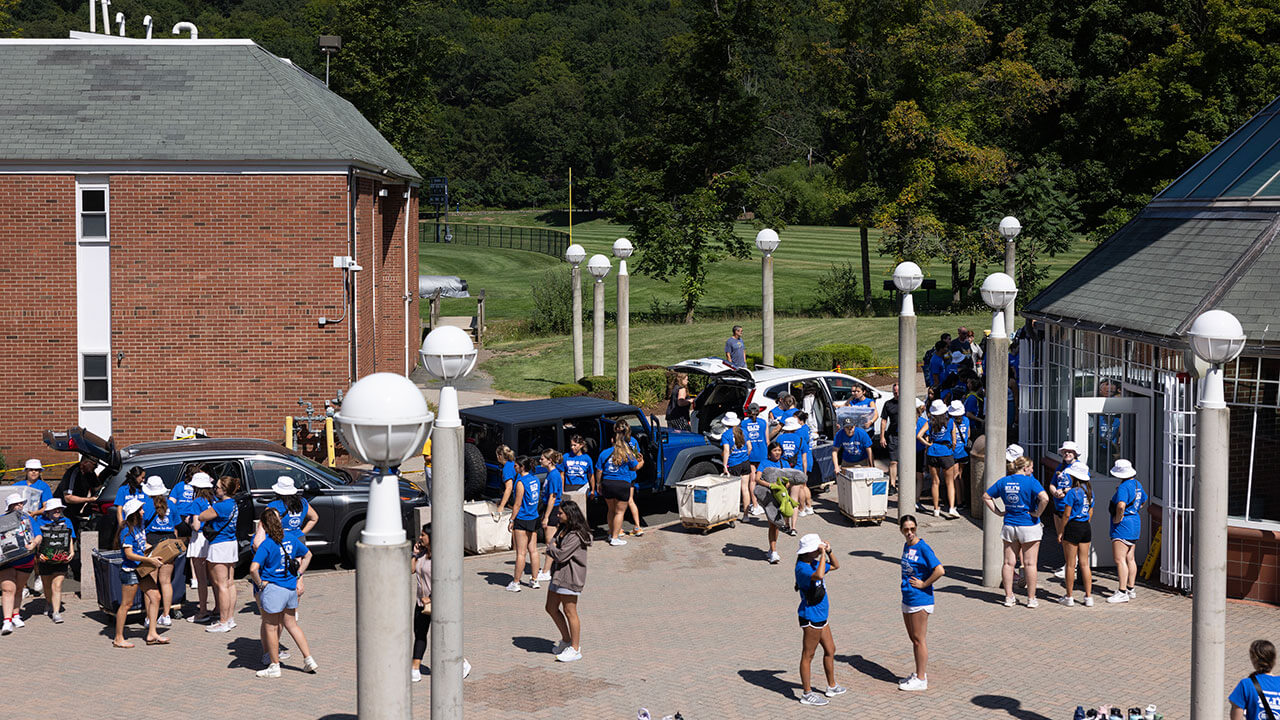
533,440
168,472
218,468
486,436
264,473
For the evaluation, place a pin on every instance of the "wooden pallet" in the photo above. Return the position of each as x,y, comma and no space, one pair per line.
695,525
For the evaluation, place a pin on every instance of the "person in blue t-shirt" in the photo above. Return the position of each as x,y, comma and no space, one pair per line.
859,397
762,490
1024,502
814,560
552,496
939,437
937,364
577,467
920,570
52,561
852,446
224,551
277,582
161,521
1059,484
133,548
1246,702
734,453
507,457
1076,534
613,480
296,514
785,408
622,429
202,498
524,523
1126,528
805,432
756,429
130,489
792,443
961,431
36,491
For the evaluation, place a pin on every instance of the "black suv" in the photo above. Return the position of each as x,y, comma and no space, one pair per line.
340,496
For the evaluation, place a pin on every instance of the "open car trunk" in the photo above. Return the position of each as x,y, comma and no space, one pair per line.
79,440
727,391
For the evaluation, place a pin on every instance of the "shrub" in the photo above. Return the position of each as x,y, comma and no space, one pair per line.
552,312
648,382
837,291
848,355
753,359
645,397
601,394
599,383
568,390
819,360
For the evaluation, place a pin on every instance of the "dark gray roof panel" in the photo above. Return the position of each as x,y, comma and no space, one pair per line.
215,103
1156,271
1255,298
550,410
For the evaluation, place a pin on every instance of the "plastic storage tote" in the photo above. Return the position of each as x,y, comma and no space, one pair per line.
106,579
864,493
480,534
708,501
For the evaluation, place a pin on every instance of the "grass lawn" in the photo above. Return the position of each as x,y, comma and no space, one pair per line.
534,366
733,287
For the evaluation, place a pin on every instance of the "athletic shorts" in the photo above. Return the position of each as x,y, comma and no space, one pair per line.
156,538
941,462
1077,532
199,546
616,490
812,623
530,525
557,590
910,609
226,552
276,599
52,569
554,519
1130,543
1022,533
740,469
892,442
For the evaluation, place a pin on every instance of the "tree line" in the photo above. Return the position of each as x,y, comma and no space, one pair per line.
927,119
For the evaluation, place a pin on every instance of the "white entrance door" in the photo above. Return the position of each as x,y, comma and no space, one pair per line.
1109,429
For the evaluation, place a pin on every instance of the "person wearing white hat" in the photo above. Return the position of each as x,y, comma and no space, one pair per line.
1076,533
939,437
296,514
1059,484
735,453
202,498
35,490
1126,527
133,549
55,536
814,560
961,428
1024,502
1013,452
160,520
793,444
15,573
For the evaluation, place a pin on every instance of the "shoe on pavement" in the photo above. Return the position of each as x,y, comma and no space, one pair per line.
1066,601
937,513
774,558
513,586
218,628
1010,601
310,665
1088,601
200,618
534,584
569,655
544,577
952,514
559,647
617,542
1033,603
1119,597
415,675
164,621
914,684
1133,593
907,679
757,510
1060,572
7,628
835,690
813,698
283,655
270,671
791,532
56,618
17,621
466,668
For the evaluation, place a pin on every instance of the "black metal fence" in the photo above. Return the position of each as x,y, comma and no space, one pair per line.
534,239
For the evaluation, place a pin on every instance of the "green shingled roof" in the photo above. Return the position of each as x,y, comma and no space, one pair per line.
84,101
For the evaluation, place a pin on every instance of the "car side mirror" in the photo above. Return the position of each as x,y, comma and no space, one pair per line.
309,487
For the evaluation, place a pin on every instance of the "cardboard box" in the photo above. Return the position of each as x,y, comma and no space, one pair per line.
166,551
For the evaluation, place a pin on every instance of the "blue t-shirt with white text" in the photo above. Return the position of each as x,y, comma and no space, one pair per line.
529,501
757,433
1130,493
1245,696
577,469
853,445
805,580
737,455
918,561
1020,493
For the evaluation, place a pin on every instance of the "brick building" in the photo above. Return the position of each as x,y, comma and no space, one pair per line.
171,213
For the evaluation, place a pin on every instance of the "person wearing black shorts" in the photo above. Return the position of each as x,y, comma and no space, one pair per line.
889,440
1077,534
613,481
938,435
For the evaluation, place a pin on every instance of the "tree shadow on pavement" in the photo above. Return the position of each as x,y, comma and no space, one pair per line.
495,578
877,555
745,552
870,668
989,595
769,680
1008,704
532,644
245,653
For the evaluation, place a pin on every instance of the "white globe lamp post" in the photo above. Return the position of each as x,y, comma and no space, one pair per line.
1010,228
767,241
998,292
622,250
575,254
598,266
907,277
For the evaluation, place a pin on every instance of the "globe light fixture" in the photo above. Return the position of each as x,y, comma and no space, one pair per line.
622,248
598,266
575,254
448,353
767,240
1010,227
907,277
998,292
1217,338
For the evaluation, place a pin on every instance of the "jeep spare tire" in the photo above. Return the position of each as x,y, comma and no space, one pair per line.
474,474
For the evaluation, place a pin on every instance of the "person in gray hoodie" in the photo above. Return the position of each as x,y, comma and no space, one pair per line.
568,551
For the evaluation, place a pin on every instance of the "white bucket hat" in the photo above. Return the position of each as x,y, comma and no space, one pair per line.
14,499
133,506
957,357
1013,452
1123,469
33,464
919,403
154,486
1069,445
955,409
202,480
938,408
1078,469
53,504
284,486
792,424
730,419
808,543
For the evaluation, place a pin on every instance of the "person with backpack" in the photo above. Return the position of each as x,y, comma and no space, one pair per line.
202,498
218,524
920,571
568,552
1126,528
524,524
1076,534
55,549
961,427
1257,697
552,497
15,573
276,574
133,549
734,453
160,521
814,559
296,514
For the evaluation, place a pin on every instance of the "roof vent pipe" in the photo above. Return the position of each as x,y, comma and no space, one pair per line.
106,19
195,34
120,22
146,21
93,16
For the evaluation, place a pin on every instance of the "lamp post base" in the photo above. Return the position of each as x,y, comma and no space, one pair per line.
384,632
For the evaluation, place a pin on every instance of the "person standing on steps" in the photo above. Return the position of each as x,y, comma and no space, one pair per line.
814,560
920,570
735,352
568,552
1126,528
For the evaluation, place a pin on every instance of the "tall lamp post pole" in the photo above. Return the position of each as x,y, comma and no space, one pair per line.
384,421
575,254
1217,338
998,292
767,241
598,266
1009,229
448,354
907,277
622,250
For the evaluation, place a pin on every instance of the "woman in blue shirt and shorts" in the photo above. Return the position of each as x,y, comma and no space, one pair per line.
614,470
920,570
224,552
524,524
735,453
1257,697
1126,528
814,560
1076,534
276,574
133,549
939,437
1022,529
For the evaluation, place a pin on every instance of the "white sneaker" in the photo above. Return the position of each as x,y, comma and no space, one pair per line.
17,621
56,618
813,698
569,655
1066,601
1088,601
544,577
310,665
535,585
513,586
952,514
617,542
164,621
1119,597
937,513
835,690
914,684
902,681
7,628
466,668
283,655
415,675
1010,601
1060,572
1133,593
218,628
774,558
1033,603
559,647
270,671
757,510
231,623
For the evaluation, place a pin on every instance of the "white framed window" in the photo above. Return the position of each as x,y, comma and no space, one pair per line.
93,204
95,378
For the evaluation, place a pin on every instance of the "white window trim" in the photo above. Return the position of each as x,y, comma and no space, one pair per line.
105,187
95,404
1239,522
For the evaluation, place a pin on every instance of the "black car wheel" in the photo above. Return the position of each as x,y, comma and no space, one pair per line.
349,541
474,475
700,469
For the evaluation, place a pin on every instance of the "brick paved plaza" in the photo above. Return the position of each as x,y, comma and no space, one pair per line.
678,621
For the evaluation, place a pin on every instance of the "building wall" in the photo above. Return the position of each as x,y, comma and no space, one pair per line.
217,282
1253,565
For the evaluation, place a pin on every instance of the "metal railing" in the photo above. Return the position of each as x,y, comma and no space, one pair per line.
514,237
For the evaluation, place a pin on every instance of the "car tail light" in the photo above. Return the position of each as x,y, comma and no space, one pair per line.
747,404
